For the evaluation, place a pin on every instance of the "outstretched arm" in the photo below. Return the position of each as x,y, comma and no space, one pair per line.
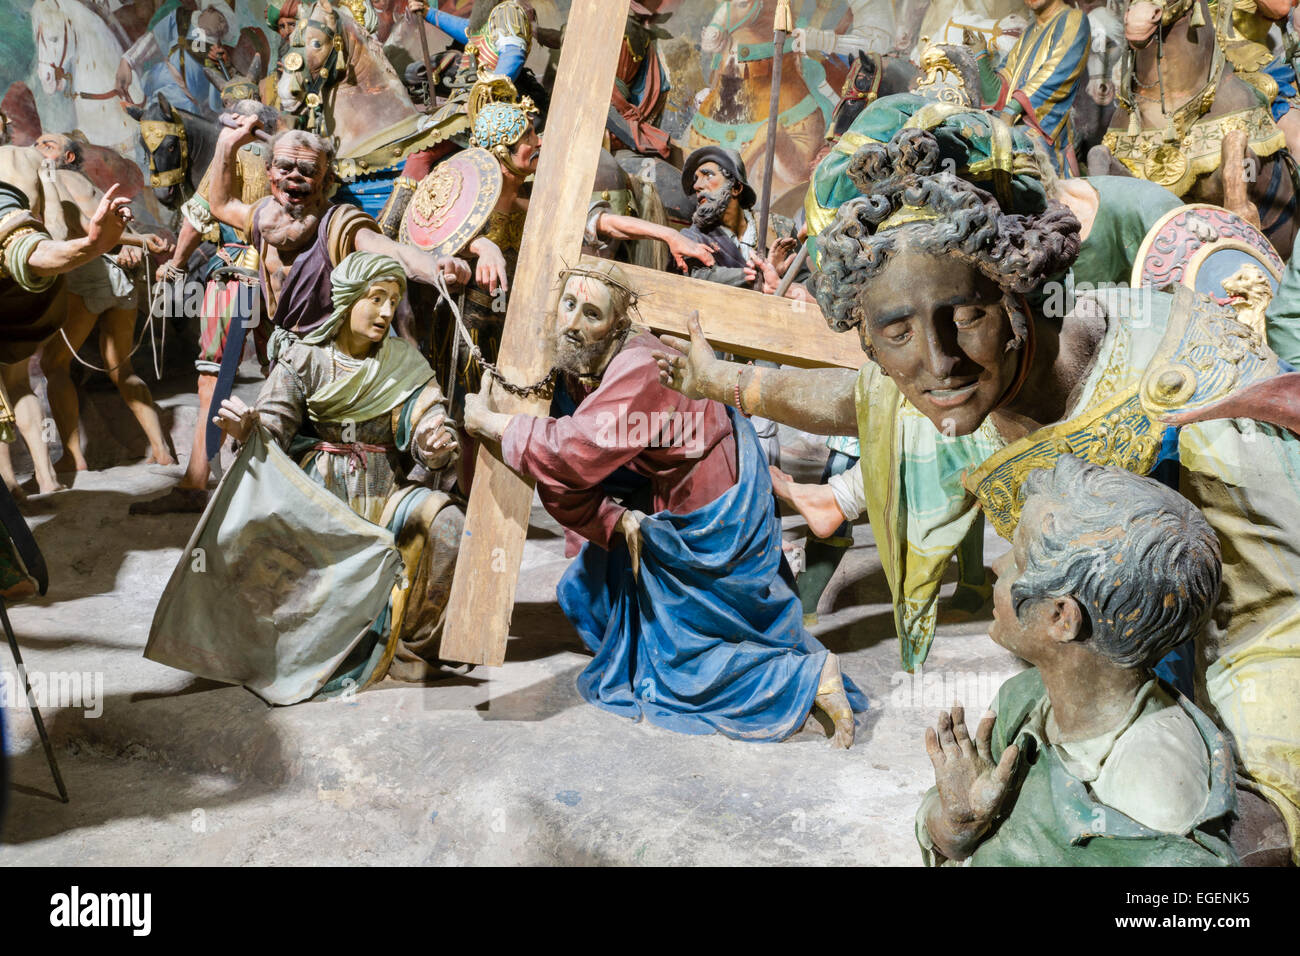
103,232
455,27
419,265
820,401
610,226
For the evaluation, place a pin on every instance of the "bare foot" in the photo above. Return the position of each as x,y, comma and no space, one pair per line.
47,487
165,459
832,699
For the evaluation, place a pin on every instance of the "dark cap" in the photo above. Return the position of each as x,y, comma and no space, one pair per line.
730,162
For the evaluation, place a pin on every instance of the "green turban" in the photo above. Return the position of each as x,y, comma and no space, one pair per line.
348,283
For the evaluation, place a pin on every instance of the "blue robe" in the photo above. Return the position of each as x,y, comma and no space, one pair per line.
711,637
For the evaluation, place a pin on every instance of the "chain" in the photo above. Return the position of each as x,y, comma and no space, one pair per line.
543,389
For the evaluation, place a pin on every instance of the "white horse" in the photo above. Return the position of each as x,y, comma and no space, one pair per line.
1106,56
992,24
78,57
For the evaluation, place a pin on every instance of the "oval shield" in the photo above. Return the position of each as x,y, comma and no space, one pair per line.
1215,252
452,205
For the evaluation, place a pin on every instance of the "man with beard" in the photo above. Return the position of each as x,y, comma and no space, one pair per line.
102,296
687,610
298,234
724,220
724,216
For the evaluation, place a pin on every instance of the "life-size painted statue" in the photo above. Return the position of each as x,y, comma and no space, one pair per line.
299,235
970,387
33,304
680,590
474,205
226,300
497,38
1087,758
1043,73
354,408
1188,121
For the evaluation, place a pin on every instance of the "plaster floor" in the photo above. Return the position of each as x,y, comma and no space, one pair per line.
505,766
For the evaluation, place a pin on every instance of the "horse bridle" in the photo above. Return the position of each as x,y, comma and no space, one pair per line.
318,81
153,132
60,74
851,92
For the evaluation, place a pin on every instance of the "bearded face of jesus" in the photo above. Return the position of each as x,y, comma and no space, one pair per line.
588,326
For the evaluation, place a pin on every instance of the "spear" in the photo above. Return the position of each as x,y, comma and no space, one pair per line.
783,26
428,64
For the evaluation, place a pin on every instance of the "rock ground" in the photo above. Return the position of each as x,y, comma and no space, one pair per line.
504,766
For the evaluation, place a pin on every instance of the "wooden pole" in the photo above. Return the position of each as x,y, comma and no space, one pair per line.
428,63
496,522
783,27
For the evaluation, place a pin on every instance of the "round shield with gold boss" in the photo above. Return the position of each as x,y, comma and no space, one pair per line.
452,205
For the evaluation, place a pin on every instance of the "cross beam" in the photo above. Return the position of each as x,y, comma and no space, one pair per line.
739,321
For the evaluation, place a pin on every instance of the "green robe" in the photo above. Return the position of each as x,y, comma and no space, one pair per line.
1129,208
1051,818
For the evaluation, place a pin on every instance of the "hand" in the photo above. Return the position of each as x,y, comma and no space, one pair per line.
480,420
158,245
111,217
548,37
240,134
235,418
629,525
689,372
130,257
437,441
761,268
490,272
417,7
683,249
971,786
170,272
122,80
455,271
782,254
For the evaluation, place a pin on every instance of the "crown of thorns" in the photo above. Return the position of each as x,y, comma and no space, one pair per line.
605,276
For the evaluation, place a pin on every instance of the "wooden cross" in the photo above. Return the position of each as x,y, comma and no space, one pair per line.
740,321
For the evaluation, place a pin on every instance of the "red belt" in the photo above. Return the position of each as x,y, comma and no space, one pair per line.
355,451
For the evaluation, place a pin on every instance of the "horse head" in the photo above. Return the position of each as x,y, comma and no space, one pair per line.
56,47
1104,56
315,60
167,144
861,87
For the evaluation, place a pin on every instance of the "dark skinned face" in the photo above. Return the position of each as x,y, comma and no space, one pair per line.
939,330
298,177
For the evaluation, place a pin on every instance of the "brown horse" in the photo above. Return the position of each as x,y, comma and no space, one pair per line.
335,80
1187,122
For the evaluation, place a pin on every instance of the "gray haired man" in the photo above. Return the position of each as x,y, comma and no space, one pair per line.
1088,758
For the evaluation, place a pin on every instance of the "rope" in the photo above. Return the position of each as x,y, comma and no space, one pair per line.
147,330
543,389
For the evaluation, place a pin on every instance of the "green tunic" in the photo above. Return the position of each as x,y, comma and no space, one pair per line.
1128,208
1053,820
1282,319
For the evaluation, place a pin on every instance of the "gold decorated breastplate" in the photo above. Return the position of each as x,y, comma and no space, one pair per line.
1154,155
1205,354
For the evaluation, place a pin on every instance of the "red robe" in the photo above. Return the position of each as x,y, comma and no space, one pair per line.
685,447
